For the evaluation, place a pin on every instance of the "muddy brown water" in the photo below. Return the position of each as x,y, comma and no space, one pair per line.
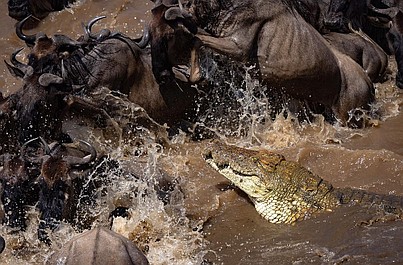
206,220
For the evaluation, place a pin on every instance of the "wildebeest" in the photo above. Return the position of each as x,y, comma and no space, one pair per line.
355,43
17,180
99,246
395,37
123,65
44,175
371,16
269,33
36,109
382,21
58,190
2,244
59,68
20,9
363,50
117,62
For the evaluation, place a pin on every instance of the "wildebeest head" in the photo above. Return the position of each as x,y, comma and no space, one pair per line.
43,173
381,20
172,38
359,13
57,190
338,14
39,104
20,9
17,178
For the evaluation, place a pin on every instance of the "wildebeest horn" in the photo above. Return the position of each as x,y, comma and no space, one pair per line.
143,41
2,244
390,12
19,70
29,39
380,23
78,162
26,69
36,160
46,79
88,27
176,12
41,141
180,5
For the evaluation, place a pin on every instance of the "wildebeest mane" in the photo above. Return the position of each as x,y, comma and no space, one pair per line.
76,71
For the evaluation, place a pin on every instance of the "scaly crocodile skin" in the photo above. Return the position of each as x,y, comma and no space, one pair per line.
284,191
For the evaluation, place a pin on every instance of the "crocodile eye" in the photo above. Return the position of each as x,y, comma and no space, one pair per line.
310,191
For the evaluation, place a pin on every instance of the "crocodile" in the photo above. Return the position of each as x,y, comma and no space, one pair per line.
284,191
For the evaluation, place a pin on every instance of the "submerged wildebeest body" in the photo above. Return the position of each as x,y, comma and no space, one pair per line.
99,246
289,52
20,9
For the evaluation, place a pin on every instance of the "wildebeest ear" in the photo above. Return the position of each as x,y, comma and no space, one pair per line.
46,79
15,71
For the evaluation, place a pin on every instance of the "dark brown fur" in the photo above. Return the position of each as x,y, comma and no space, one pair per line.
269,34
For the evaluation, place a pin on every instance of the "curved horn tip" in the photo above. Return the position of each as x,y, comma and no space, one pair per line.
92,150
2,244
88,27
173,13
77,163
145,39
93,21
41,140
13,58
29,39
17,51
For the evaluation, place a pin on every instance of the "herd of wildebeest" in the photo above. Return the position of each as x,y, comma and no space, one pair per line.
323,55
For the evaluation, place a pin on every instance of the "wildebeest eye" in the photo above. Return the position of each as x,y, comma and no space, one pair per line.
310,190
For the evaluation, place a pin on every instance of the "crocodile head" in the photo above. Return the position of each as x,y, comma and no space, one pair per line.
282,191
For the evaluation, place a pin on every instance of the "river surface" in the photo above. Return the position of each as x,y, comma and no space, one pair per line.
204,219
